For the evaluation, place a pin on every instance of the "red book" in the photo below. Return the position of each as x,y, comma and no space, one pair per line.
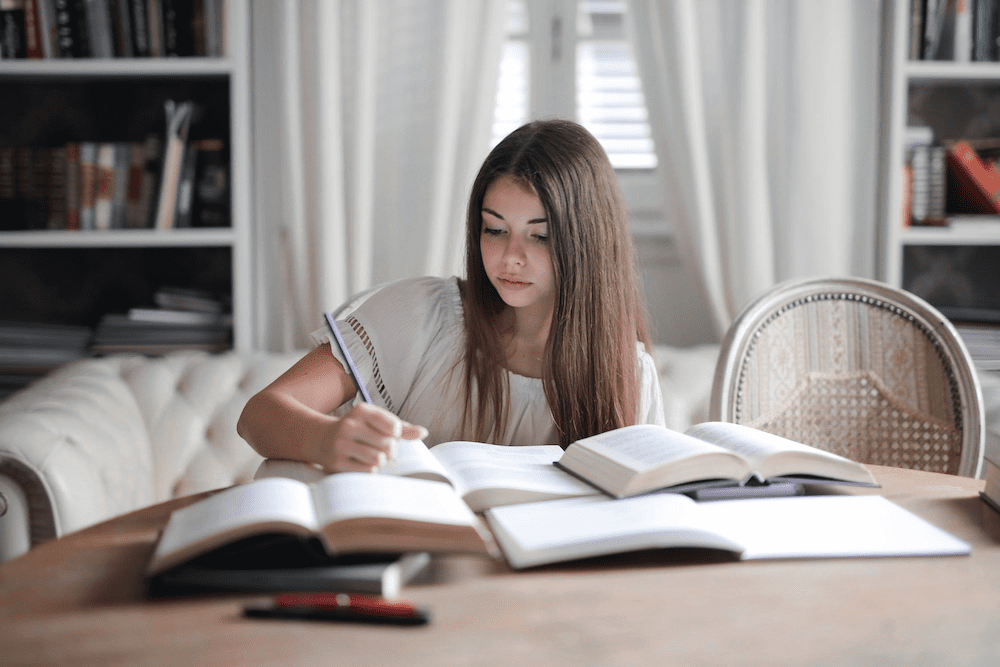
73,185
978,184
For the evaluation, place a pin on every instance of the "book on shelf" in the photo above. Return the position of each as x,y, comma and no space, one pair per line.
73,186
985,31
8,189
39,29
31,349
56,188
183,215
974,185
88,183
12,37
120,183
33,47
346,513
982,340
187,298
991,473
483,475
281,564
645,457
104,185
211,206
179,118
171,316
117,332
828,526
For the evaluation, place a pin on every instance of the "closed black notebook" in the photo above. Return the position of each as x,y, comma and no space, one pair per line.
283,564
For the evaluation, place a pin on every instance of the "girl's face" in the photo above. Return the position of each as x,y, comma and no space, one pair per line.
514,244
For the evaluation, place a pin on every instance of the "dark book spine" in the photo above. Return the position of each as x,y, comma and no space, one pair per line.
139,21
64,28
122,28
8,188
32,30
168,21
12,43
984,39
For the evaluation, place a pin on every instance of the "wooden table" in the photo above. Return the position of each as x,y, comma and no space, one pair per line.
79,600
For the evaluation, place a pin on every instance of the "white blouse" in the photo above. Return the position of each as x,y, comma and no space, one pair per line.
407,342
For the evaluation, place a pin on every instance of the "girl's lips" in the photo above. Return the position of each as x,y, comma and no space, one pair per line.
513,284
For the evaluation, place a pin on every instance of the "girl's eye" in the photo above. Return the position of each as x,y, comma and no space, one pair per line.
542,238
492,231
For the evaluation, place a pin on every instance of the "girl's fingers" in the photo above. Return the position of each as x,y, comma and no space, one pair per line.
367,437
389,425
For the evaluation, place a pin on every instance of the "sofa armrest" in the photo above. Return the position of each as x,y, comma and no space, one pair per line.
101,437
75,445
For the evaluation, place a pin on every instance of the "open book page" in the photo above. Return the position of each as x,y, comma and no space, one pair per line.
640,458
365,512
491,475
646,446
569,529
351,495
770,455
414,459
827,527
270,505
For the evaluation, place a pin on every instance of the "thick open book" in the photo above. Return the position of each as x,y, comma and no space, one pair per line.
347,512
637,459
801,527
483,475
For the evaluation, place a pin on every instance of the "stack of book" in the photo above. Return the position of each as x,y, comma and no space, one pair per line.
946,179
983,342
30,350
183,319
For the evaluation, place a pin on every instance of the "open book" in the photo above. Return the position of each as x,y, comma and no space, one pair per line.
801,527
483,475
642,458
347,512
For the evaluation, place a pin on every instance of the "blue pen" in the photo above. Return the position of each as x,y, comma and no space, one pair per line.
352,368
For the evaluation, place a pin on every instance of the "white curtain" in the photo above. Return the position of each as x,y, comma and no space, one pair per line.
371,118
765,119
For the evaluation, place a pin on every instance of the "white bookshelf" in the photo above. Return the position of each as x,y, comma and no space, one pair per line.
905,78
230,73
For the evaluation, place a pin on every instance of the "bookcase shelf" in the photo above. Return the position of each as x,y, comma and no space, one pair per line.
74,277
117,67
957,99
223,236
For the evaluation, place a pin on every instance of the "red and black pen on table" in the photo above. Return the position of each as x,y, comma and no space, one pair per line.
343,607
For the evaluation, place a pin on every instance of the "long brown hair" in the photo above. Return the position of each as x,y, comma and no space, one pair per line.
590,373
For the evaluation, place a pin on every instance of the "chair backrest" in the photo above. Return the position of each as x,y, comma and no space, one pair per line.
855,367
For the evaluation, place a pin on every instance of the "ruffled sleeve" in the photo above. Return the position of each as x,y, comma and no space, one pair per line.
407,330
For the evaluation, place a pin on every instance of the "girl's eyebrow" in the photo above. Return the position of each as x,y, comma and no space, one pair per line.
533,221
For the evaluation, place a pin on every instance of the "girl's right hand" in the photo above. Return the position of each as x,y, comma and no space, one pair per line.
365,439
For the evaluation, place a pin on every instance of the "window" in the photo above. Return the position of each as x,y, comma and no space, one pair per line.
571,58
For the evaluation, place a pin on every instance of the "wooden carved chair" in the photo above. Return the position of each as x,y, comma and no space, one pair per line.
855,367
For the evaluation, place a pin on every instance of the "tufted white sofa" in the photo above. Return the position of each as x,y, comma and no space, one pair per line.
104,436
101,437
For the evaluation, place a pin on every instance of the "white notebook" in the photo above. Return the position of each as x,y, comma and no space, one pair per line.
768,528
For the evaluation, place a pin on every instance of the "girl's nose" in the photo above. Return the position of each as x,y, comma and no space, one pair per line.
514,252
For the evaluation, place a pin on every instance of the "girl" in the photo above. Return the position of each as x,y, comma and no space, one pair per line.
544,341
